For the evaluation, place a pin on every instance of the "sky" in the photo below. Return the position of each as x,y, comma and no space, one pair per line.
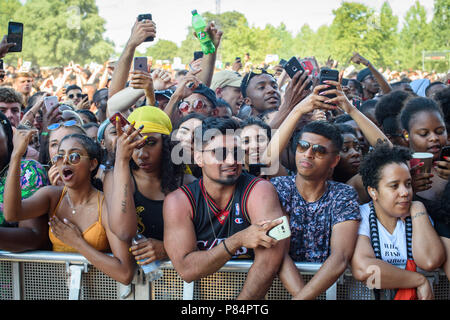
172,17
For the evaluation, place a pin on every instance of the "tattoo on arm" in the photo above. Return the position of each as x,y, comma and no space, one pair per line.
418,215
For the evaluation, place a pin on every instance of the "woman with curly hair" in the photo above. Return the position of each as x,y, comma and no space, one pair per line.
396,233
145,176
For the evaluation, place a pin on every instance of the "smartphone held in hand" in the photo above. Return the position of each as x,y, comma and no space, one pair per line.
281,231
140,63
50,102
146,16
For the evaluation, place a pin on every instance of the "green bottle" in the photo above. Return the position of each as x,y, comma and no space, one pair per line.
199,25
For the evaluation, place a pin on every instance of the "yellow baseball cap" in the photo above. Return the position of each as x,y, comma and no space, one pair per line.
153,119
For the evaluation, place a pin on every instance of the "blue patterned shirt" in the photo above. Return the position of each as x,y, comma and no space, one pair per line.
311,222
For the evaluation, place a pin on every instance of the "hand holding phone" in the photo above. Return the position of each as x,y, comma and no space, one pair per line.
445,153
328,74
140,63
281,231
198,55
146,16
50,102
15,35
292,67
125,125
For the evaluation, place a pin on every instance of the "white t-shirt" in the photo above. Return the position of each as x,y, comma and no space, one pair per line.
393,246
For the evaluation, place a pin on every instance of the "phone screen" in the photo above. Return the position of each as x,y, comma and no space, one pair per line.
15,34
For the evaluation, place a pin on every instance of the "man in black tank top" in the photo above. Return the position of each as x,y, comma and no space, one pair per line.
225,214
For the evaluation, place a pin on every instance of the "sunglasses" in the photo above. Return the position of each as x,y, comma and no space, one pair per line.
221,153
72,158
318,150
78,95
198,105
55,126
255,72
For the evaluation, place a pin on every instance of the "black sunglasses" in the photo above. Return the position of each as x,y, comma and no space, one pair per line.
78,95
318,150
221,153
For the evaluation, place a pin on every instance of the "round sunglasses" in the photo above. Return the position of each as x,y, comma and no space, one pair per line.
72,158
55,126
318,150
198,104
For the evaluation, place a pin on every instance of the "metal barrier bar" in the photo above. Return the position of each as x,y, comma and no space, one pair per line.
73,277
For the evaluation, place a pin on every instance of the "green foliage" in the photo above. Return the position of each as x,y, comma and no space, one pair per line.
162,50
58,31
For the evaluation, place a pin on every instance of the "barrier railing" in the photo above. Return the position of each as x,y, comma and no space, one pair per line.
47,275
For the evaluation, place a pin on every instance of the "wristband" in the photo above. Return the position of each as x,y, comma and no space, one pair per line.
226,249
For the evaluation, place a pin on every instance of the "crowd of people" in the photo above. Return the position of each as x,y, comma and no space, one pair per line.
204,163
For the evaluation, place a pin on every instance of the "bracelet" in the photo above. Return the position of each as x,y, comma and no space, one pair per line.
226,249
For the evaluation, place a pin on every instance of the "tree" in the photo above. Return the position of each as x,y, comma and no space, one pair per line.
7,10
415,37
350,28
162,50
58,31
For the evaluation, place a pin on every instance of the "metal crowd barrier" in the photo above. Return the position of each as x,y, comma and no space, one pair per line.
47,275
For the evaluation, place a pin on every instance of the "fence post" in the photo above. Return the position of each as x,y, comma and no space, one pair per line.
75,272
331,293
16,281
188,290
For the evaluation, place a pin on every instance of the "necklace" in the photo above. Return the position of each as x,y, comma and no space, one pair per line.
74,211
70,203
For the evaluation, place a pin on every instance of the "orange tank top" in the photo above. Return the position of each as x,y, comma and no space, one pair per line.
95,235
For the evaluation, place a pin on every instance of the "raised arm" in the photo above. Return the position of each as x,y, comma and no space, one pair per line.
281,137
123,100
209,60
16,209
369,129
141,30
122,212
384,85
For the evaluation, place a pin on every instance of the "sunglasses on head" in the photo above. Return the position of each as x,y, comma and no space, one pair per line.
55,126
318,150
78,95
198,105
256,72
72,158
221,153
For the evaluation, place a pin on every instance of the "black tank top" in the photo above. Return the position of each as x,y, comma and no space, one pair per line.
149,214
213,225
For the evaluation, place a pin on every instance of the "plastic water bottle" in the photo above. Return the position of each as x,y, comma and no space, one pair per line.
151,270
199,25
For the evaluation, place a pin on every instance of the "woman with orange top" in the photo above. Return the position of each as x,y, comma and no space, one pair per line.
78,214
